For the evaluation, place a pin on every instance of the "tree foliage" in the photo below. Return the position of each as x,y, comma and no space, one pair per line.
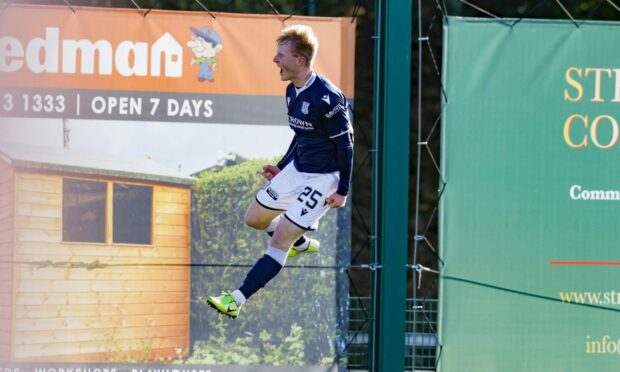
303,298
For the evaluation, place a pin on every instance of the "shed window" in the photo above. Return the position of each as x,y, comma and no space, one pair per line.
83,205
132,214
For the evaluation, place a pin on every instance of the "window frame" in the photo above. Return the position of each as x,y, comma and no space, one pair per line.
109,212
151,224
105,212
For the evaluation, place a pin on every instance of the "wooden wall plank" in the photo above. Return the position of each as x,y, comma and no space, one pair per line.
6,173
5,315
59,311
100,323
78,286
6,199
169,230
6,273
47,299
114,274
171,219
6,224
7,186
39,235
39,223
6,212
156,354
6,236
172,208
24,351
6,288
65,313
124,333
171,241
39,184
171,197
6,331
7,242
38,210
45,198
140,259
172,189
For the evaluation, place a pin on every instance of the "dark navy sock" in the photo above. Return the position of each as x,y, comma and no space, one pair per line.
265,269
302,239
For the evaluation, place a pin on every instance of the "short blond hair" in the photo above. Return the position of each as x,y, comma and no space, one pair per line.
302,41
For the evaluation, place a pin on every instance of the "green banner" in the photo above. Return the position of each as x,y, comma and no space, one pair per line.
530,213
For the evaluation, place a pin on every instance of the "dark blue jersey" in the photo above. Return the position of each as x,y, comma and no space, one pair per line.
323,142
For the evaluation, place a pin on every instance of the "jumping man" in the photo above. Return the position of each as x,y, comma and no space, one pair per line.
314,174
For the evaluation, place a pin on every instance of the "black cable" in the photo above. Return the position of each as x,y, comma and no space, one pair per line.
102,265
273,7
500,20
294,12
591,11
69,5
528,294
611,3
444,11
205,8
365,245
362,164
359,128
356,9
530,12
567,13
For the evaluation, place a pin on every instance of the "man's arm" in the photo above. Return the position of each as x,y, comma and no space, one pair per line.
290,154
341,133
270,171
344,154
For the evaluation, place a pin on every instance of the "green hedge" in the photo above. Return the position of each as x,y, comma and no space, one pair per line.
299,306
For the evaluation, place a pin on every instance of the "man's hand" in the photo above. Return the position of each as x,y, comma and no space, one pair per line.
269,171
336,200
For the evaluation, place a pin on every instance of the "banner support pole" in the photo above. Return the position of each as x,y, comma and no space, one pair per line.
390,206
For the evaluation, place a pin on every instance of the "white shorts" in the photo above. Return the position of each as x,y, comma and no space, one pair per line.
301,195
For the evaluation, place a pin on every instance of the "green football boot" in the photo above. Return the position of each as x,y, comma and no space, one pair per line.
311,246
225,304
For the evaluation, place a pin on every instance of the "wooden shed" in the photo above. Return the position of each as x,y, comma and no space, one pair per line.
94,255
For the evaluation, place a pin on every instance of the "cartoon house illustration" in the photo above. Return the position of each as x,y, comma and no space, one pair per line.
93,254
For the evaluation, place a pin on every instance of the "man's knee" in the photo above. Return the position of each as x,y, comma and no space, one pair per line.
281,241
256,222
258,217
285,235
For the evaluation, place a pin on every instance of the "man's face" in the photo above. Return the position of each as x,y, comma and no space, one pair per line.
290,64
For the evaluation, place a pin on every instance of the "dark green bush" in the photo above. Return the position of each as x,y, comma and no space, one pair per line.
298,301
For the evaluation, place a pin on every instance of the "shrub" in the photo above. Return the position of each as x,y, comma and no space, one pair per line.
299,301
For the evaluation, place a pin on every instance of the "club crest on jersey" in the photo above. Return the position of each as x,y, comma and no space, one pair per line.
305,106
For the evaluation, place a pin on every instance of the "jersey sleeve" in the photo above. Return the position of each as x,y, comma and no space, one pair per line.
336,115
340,131
290,154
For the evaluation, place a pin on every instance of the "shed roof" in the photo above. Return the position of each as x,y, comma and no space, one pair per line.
84,163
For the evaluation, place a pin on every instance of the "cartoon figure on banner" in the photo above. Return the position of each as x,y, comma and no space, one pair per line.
205,45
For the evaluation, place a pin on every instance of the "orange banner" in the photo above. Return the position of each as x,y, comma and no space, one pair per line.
164,51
